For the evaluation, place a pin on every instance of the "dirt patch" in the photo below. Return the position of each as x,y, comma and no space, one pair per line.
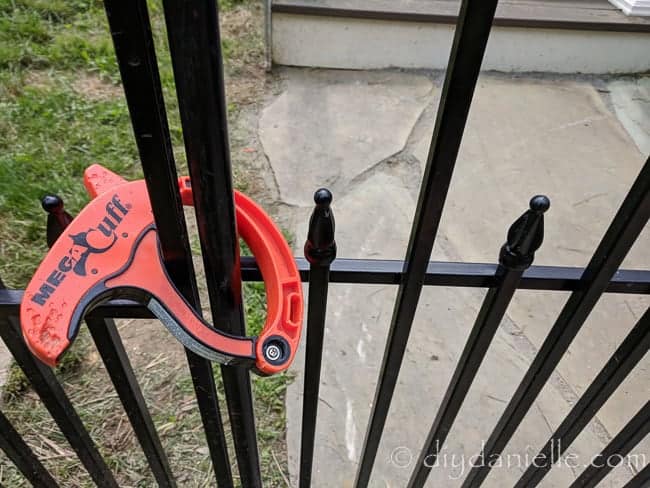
88,85
243,43
96,89
38,79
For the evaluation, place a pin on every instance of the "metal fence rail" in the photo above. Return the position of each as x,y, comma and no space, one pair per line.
196,58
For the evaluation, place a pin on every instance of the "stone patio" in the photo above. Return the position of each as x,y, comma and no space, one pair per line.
365,135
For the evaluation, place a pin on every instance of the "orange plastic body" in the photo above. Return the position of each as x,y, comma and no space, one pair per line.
111,250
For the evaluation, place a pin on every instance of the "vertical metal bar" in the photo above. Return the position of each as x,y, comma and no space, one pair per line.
524,238
56,401
131,32
110,348
268,35
135,51
617,241
470,40
48,388
320,251
194,41
23,457
622,362
57,219
207,401
614,453
641,480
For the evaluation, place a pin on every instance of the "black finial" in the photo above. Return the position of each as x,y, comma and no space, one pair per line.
323,197
320,248
525,235
57,220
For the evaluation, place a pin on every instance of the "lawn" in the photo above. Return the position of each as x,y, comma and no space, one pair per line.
61,109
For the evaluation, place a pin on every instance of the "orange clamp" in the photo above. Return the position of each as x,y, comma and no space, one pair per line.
111,250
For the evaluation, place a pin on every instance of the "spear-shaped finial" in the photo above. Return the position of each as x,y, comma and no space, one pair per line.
525,235
57,220
320,248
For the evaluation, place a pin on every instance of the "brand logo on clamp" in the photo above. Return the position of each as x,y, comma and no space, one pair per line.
95,240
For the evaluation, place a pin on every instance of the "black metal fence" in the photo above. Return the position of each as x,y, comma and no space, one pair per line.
193,32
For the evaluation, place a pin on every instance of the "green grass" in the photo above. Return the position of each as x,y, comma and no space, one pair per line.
50,130
62,109
61,34
50,134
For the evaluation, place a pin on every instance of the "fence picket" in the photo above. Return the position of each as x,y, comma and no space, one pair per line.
619,447
23,457
524,238
194,43
135,51
320,251
617,241
622,362
470,41
110,348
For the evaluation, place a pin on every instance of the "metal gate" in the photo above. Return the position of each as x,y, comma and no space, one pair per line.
193,32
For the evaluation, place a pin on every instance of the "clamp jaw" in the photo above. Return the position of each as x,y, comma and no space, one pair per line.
111,250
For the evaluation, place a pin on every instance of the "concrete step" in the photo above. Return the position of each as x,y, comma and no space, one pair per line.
560,36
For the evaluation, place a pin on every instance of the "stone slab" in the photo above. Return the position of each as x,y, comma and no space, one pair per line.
326,128
525,136
357,323
631,100
558,138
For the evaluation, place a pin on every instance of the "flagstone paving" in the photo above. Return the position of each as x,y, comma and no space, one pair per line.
365,135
